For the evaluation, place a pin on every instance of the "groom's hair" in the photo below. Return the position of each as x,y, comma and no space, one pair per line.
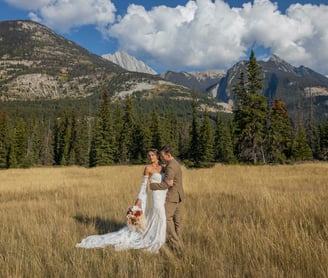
167,149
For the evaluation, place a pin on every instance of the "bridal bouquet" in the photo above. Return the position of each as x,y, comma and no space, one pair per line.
136,220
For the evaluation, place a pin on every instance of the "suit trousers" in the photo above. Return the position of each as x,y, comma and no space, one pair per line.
173,225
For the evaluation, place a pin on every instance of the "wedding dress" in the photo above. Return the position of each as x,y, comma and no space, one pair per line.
153,236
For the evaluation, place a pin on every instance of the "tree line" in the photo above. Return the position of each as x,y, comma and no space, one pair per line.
258,131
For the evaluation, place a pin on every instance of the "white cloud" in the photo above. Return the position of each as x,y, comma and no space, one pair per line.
207,34
30,4
312,41
200,34
64,15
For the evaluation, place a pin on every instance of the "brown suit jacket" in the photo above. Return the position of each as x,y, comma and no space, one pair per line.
175,193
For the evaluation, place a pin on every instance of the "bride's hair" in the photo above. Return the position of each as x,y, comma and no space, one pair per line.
155,151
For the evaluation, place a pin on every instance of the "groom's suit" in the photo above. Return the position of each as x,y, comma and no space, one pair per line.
173,204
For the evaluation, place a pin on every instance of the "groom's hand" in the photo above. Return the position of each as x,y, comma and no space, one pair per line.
169,182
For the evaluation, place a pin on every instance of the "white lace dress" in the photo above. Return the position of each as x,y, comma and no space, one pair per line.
151,239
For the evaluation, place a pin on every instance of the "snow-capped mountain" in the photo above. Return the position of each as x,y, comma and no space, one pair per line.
128,62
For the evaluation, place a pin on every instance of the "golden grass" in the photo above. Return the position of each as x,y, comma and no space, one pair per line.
240,221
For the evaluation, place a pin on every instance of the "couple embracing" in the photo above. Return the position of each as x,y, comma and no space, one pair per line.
163,219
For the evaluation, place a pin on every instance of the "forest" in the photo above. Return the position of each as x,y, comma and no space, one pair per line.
258,131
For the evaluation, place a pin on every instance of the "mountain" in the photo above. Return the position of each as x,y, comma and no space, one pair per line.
205,81
128,62
298,87
38,63
40,68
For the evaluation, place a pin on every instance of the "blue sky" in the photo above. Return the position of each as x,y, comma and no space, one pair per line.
187,35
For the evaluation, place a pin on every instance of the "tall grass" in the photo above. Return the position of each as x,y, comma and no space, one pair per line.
239,221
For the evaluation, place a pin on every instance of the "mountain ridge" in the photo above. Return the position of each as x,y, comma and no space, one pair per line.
36,64
128,62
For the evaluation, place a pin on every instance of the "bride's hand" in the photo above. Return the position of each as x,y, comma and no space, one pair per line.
169,182
138,203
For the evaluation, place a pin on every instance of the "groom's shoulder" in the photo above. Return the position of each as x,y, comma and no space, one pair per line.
175,163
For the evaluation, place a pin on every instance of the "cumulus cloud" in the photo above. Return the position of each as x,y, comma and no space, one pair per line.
29,4
200,34
211,34
64,15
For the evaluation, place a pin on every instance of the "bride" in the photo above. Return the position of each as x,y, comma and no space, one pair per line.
153,236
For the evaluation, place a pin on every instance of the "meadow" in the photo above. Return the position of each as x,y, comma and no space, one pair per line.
239,221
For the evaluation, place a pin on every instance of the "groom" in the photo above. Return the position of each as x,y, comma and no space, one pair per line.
174,198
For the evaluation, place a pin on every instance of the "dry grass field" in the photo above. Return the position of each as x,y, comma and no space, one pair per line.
240,221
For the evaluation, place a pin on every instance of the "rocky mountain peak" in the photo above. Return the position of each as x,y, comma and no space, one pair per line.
281,64
128,62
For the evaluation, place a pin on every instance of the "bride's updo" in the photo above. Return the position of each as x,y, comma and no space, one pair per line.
155,151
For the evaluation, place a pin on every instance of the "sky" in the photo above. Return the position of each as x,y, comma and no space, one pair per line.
187,35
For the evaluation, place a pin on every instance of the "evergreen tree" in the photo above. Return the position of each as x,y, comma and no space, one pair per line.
194,147
280,133
156,131
323,141
142,139
184,138
72,139
301,150
250,114
56,143
102,152
311,131
18,149
223,146
62,139
82,142
12,161
117,130
206,141
171,131
4,140
47,145
35,135
126,142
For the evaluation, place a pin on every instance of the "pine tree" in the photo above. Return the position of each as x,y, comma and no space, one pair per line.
323,141
4,140
171,131
184,138
280,133
301,149
101,151
56,143
47,145
206,141
18,151
194,147
156,131
62,139
250,114
72,140
82,142
117,130
142,139
35,135
126,142
223,146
